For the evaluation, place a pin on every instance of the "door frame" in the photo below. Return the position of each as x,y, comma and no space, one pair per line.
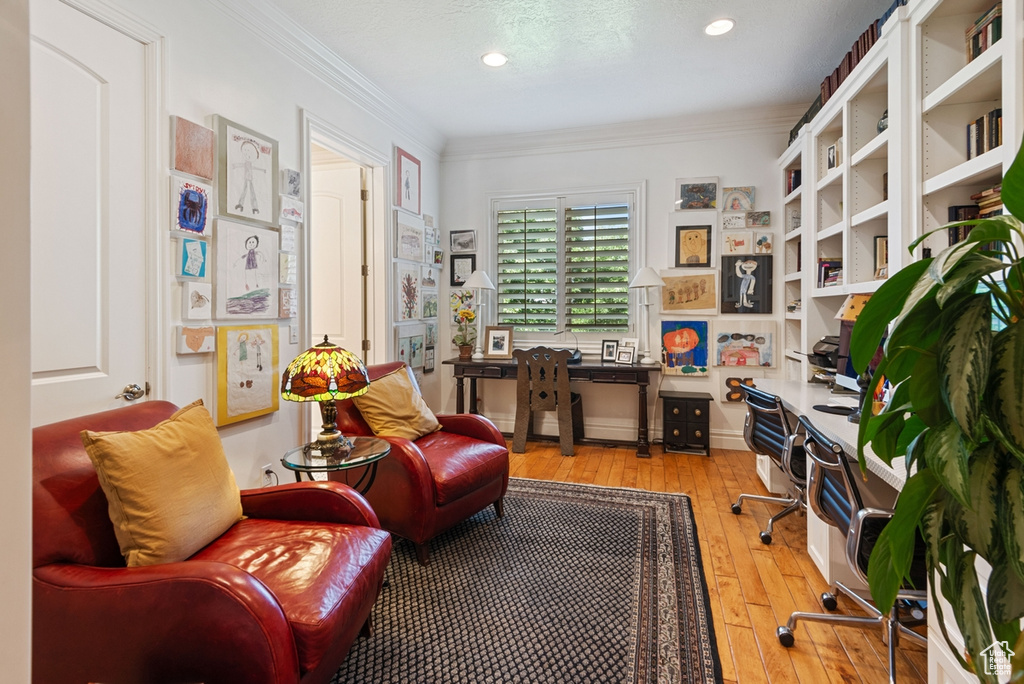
156,146
377,168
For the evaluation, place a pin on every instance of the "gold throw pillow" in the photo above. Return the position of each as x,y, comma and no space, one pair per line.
393,408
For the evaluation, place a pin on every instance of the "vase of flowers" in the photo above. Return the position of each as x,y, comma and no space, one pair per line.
466,334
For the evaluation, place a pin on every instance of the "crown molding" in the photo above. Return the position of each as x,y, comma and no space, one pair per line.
691,128
280,32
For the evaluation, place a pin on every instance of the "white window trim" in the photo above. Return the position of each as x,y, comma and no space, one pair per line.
589,343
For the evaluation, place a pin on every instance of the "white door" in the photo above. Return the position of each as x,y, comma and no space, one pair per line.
88,201
336,252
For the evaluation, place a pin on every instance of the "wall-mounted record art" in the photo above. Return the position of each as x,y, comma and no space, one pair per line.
746,284
193,148
246,278
684,348
247,173
190,206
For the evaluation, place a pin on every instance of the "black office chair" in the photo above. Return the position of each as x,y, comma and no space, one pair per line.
834,496
770,429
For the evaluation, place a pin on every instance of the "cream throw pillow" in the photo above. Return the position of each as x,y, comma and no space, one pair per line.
393,408
170,491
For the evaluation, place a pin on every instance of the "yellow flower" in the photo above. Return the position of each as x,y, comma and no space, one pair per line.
467,315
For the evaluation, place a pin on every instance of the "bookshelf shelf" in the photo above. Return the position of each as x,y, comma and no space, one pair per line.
793,196
834,229
794,234
833,176
794,277
987,167
877,148
978,81
878,211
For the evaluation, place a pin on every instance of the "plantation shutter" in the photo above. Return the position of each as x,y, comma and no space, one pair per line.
528,268
597,268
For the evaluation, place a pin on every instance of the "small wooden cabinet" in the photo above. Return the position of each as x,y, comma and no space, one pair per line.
686,421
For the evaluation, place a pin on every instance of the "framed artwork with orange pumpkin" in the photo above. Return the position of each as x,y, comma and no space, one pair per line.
684,348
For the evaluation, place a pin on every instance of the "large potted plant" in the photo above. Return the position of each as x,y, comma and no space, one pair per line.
954,357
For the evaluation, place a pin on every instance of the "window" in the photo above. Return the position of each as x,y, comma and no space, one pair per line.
564,262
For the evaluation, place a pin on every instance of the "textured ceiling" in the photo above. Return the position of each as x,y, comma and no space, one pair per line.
575,63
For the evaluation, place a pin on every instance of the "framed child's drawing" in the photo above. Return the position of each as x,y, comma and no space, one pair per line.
247,173
684,348
746,284
407,187
246,277
190,205
247,377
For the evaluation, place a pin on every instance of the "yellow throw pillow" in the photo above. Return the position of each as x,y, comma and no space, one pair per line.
393,408
170,491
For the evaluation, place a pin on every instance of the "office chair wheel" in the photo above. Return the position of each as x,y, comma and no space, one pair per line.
828,599
736,509
766,538
785,635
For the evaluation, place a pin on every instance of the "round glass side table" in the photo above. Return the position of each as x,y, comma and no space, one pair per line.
366,451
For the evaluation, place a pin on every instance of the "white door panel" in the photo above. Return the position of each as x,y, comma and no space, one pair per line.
88,201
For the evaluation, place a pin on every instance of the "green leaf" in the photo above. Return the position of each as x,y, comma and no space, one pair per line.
980,521
967,276
949,258
964,353
889,565
1013,186
969,608
882,308
1006,385
925,391
1005,596
944,452
1011,517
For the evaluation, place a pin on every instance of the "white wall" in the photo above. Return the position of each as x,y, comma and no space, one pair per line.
214,65
15,418
741,149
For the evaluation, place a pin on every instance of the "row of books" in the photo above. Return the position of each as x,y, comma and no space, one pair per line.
830,272
985,133
792,180
986,30
987,203
857,52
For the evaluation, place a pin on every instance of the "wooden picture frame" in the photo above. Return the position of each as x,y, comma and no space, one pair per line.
407,181
498,342
881,257
609,348
248,382
247,174
462,265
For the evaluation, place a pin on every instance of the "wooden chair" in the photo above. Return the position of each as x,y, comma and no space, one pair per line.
542,384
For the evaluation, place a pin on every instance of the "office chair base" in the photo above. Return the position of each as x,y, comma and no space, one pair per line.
766,537
791,506
829,601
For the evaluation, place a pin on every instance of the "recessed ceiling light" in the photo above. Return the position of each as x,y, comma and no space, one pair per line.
494,59
719,26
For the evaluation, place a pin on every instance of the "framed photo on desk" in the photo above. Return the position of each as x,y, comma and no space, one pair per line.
498,342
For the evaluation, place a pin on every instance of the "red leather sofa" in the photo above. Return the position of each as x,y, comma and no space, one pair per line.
426,486
269,601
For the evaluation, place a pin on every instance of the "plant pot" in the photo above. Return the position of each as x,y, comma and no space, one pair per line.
465,352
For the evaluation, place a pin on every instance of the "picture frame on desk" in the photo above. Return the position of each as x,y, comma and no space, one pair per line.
609,348
625,355
498,341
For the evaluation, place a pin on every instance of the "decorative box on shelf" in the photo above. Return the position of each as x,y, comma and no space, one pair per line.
686,421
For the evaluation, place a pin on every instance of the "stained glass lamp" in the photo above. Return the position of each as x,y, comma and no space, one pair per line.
326,373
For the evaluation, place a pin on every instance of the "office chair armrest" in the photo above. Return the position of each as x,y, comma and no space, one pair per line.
794,445
865,527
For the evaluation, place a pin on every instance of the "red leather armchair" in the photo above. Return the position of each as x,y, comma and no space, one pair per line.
280,597
426,486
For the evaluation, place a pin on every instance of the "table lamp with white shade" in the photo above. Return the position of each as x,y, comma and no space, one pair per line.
479,281
645,278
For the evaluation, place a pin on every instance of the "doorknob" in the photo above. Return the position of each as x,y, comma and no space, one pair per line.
131,392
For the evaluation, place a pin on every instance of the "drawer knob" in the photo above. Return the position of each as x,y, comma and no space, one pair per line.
675,411
696,412
675,433
698,433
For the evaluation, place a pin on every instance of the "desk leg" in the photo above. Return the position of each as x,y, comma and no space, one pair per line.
460,399
643,446
472,395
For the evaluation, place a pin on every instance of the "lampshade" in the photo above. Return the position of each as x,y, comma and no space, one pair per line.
478,280
646,277
851,308
324,372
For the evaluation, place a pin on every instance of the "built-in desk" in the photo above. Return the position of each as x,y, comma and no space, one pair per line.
592,369
801,398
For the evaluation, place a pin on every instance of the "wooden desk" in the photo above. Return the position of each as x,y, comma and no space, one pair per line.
590,370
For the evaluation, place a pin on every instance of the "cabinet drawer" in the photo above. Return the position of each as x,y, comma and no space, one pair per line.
484,372
689,411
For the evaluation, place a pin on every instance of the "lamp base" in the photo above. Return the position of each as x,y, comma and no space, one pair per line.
478,355
648,361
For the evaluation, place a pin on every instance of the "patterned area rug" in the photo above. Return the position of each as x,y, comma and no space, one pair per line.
576,583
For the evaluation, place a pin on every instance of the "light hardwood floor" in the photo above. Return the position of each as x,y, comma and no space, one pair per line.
753,587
